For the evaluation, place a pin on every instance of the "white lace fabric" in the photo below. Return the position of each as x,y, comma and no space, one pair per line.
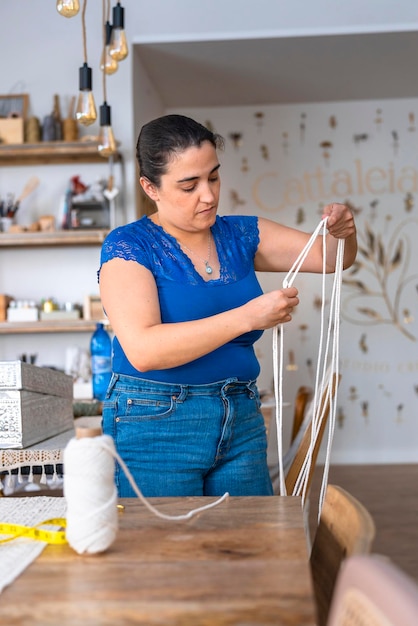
18,554
45,453
235,238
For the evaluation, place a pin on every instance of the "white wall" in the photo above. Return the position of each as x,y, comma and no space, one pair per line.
282,173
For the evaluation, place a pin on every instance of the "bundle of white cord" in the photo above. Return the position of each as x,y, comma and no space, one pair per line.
326,370
91,495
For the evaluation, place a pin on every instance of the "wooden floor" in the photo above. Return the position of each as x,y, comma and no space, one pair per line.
390,493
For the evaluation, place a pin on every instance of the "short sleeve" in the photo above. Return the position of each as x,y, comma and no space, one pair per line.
245,229
237,241
125,243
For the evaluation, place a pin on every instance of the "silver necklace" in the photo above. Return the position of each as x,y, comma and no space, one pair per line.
208,268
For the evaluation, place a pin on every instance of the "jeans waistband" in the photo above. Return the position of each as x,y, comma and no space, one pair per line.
230,385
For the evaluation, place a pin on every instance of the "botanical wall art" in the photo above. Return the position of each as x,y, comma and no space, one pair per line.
285,163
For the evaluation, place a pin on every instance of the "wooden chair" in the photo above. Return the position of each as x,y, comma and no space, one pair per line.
345,528
373,591
303,395
294,459
304,443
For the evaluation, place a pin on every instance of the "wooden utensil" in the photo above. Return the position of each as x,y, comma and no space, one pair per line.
30,186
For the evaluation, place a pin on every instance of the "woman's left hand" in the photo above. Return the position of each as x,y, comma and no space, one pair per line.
340,223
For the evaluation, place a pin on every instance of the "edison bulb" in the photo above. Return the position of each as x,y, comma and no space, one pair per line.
118,49
108,65
118,44
68,8
107,143
86,108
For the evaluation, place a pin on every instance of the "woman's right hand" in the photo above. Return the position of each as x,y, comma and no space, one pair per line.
270,309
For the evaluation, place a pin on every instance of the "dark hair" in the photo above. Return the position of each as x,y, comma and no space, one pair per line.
166,135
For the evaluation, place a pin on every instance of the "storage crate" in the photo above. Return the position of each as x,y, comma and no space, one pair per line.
35,403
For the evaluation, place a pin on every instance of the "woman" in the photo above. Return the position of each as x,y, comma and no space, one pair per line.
180,291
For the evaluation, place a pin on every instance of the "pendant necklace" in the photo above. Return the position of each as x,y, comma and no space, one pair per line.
208,268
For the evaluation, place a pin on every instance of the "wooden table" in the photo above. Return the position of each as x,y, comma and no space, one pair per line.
243,563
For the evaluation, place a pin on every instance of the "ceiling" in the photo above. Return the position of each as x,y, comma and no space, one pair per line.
283,70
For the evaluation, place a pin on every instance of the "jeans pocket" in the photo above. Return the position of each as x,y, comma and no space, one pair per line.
140,406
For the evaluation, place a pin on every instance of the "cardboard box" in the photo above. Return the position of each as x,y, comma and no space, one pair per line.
22,314
59,315
27,417
11,130
35,403
4,303
20,375
93,309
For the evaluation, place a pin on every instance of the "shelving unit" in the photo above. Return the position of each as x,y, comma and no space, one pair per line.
51,153
53,239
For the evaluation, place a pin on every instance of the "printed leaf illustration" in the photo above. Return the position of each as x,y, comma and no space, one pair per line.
384,277
356,283
370,313
370,239
397,257
364,252
381,257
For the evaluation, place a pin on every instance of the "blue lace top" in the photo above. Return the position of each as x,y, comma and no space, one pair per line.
184,295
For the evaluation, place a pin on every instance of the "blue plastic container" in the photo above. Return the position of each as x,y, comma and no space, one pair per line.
101,361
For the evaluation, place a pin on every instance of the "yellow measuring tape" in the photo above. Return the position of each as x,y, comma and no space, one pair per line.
36,532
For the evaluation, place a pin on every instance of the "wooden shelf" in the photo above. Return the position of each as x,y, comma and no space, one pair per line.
57,238
52,153
56,326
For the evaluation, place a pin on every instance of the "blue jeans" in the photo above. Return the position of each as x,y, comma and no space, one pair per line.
188,440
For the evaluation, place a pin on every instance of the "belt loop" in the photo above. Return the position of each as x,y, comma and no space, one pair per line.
114,379
184,391
227,384
250,388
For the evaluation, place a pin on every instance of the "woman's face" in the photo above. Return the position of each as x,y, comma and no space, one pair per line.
188,196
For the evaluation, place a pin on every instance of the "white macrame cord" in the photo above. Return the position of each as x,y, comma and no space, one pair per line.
326,369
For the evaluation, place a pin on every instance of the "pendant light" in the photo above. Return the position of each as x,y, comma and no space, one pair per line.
108,64
86,108
68,8
118,45
107,143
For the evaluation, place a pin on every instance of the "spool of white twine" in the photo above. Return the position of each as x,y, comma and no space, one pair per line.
91,495
90,492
